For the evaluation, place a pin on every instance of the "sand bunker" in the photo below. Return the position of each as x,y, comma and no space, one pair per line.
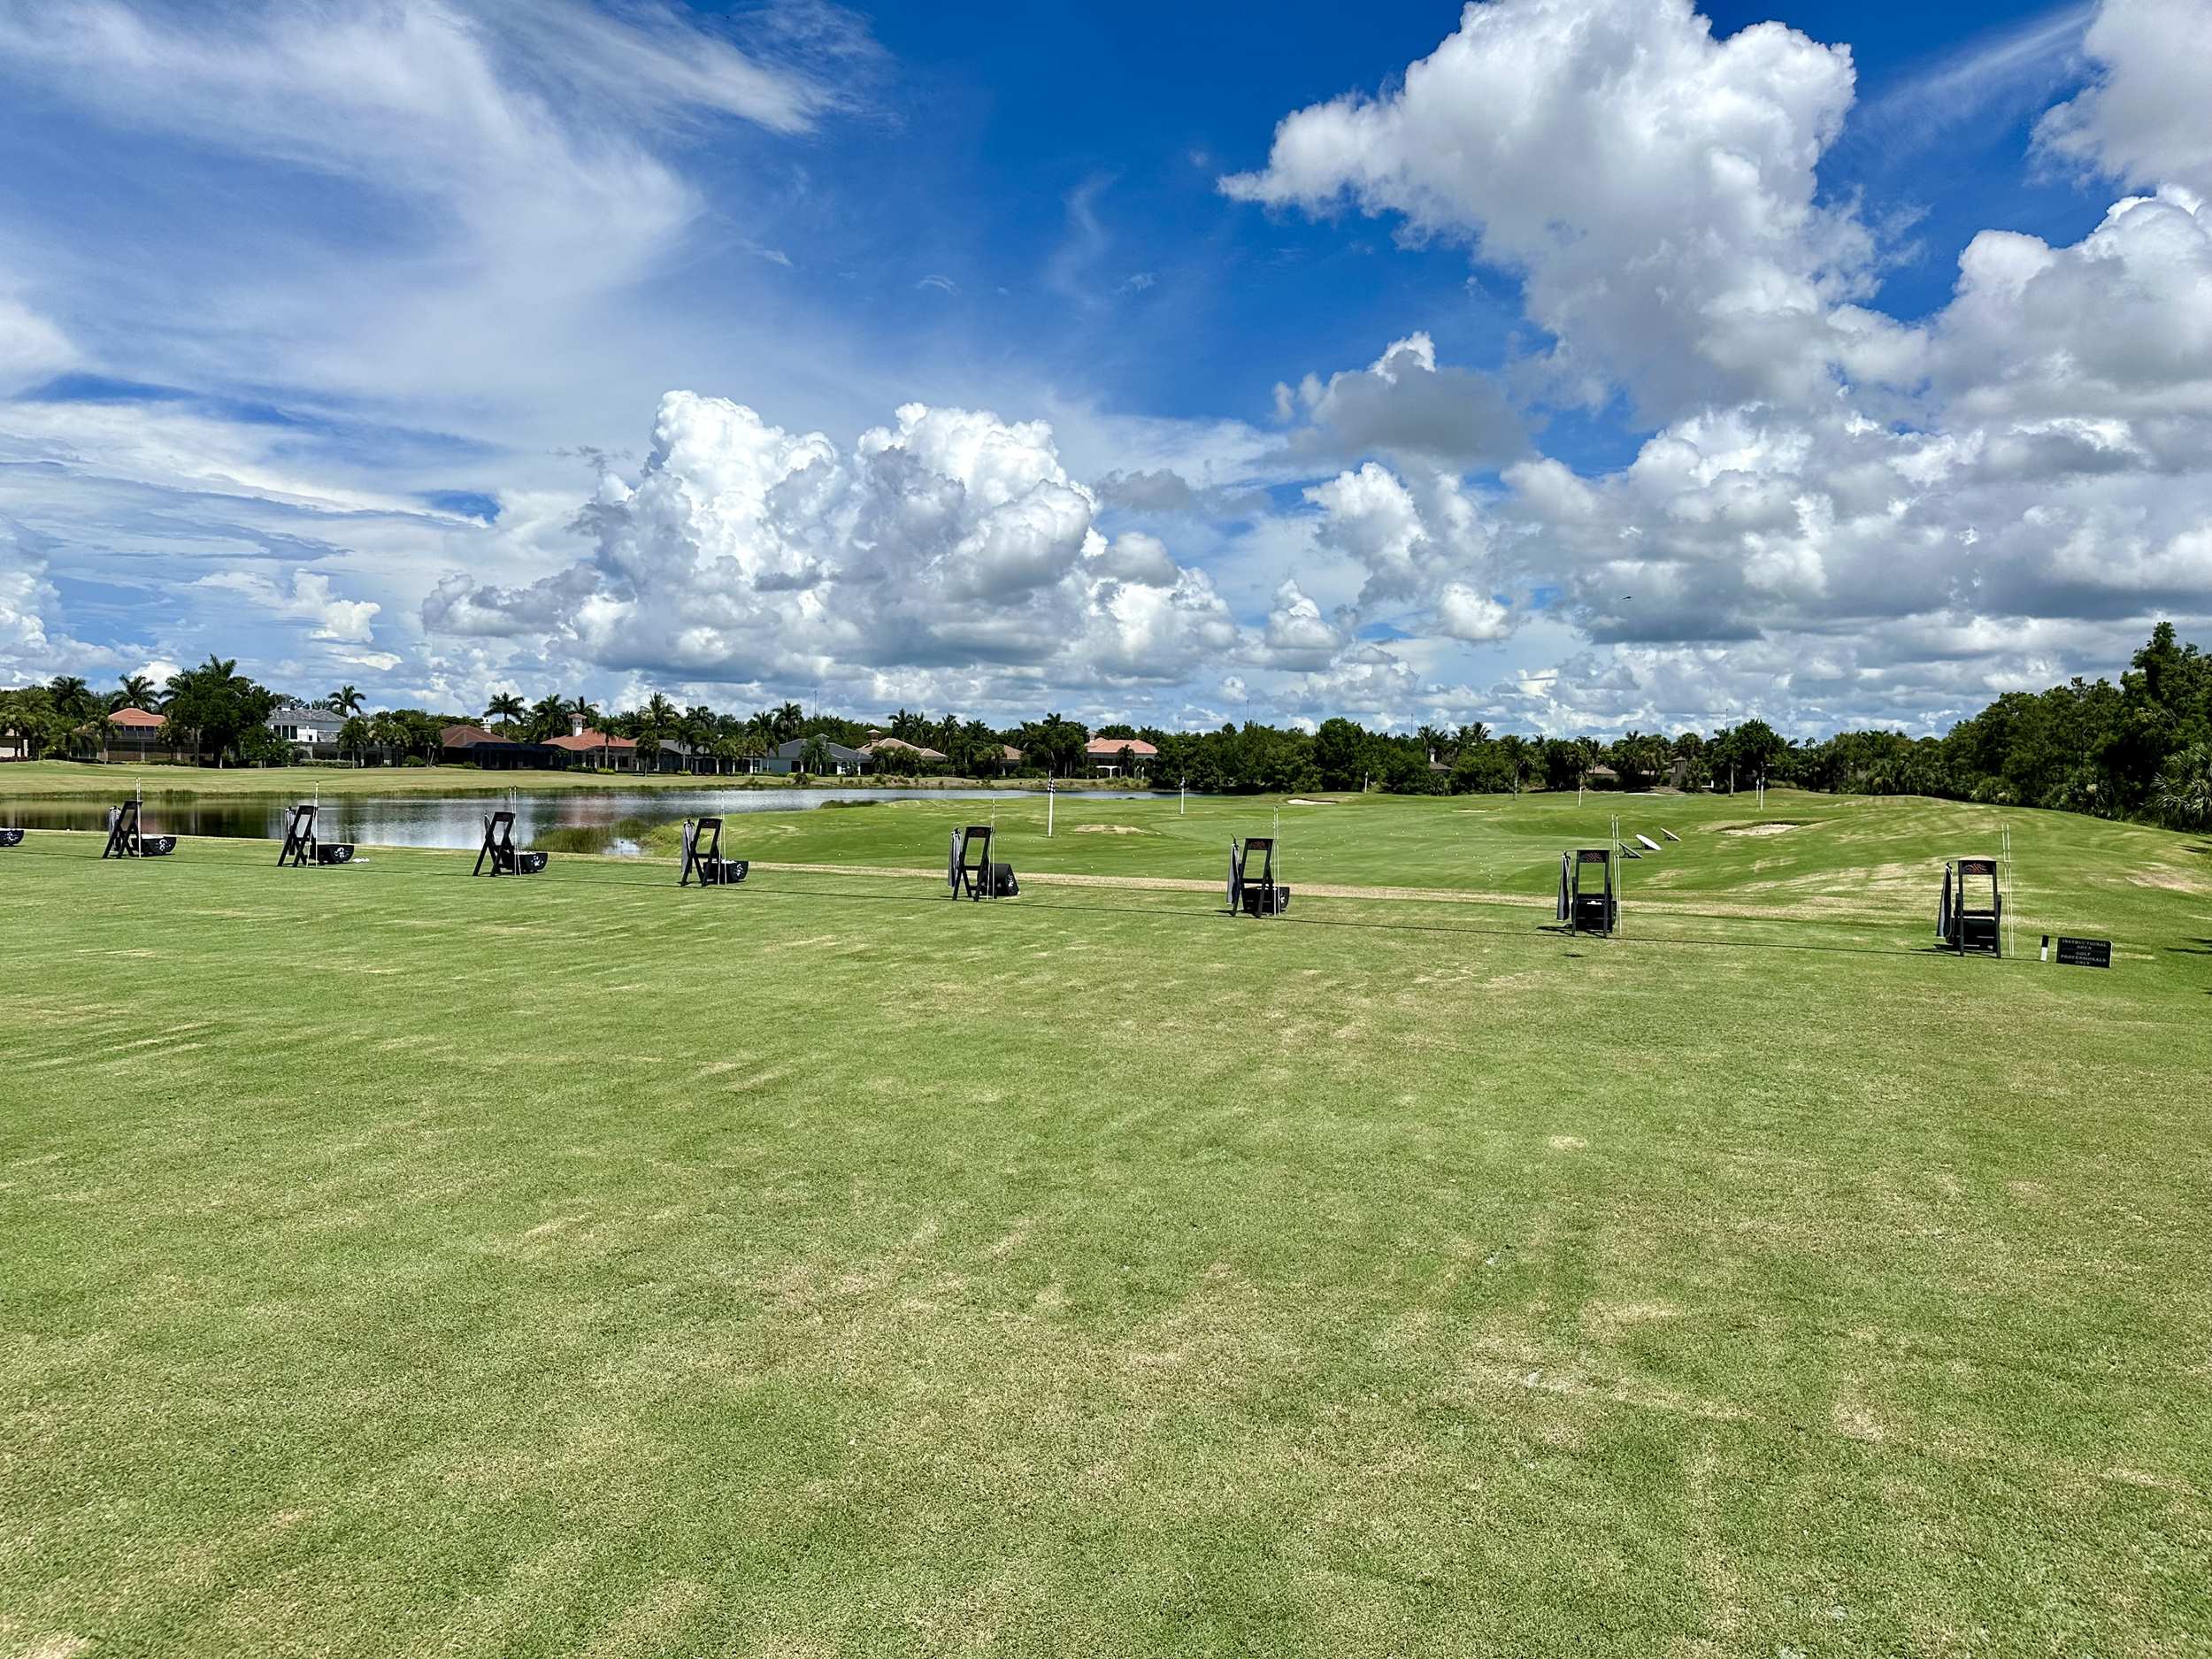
1762,829
1301,800
1111,829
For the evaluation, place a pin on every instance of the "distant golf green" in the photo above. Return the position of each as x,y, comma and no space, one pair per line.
398,1262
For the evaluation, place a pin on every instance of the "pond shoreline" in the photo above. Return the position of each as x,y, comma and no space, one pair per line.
552,819
114,780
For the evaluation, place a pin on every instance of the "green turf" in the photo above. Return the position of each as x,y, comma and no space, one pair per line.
403,1263
1803,859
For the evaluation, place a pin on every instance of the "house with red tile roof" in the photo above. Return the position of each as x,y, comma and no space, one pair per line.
1113,756
473,746
596,750
136,734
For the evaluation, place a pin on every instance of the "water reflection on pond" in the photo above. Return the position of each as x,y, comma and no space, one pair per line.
599,820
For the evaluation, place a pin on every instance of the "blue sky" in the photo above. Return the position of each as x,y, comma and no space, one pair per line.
1568,365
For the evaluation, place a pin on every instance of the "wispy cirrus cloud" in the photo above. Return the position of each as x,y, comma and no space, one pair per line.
497,167
31,347
2012,71
315,266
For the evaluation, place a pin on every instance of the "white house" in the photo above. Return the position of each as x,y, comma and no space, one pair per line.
314,730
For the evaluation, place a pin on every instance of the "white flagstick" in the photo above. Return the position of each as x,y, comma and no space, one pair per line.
1052,799
2012,941
1620,878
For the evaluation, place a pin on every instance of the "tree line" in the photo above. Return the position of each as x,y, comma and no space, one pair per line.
2139,749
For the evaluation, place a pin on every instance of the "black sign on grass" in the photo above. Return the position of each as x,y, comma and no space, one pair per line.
2080,953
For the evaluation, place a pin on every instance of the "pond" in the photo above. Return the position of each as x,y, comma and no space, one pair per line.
598,820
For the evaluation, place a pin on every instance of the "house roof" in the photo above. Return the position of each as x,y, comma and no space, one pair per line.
585,740
1107,748
1603,772
296,712
466,737
137,719
797,747
900,743
1007,751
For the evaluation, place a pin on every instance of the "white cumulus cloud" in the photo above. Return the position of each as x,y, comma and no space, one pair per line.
2143,121
310,600
949,541
1654,188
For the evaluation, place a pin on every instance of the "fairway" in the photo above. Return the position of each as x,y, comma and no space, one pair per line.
403,1263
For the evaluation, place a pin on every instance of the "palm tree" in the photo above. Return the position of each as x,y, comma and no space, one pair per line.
583,710
506,709
548,717
1515,748
787,719
206,689
1056,741
387,730
346,700
72,697
695,726
137,693
648,725
74,705
2185,788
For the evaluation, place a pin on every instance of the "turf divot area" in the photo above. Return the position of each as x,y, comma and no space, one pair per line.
403,1264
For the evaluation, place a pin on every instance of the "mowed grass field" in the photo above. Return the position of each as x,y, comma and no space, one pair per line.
401,1263
1803,859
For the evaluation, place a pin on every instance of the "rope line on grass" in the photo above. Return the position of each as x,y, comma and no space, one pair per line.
603,875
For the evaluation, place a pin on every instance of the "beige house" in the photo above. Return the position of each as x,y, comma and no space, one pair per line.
1120,756
888,753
